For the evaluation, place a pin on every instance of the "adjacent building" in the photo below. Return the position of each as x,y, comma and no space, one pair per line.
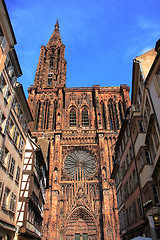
143,125
81,125
14,118
125,173
146,138
32,190
153,135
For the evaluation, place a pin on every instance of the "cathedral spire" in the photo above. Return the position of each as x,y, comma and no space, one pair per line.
55,38
57,25
51,68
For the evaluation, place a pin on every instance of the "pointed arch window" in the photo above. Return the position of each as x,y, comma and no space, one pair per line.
72,117
46,114
120,110
51,64
54,114
116,116
85,119
38,114
104,115
113,115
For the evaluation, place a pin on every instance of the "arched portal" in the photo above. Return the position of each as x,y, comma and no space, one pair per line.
81,225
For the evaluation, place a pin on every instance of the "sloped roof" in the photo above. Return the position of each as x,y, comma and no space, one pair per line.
44,145
146,61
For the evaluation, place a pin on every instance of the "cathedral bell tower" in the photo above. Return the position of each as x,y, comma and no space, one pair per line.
51,69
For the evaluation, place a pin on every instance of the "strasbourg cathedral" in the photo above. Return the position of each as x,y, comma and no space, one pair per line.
81,126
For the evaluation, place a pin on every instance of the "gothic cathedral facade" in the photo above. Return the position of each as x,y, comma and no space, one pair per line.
81,125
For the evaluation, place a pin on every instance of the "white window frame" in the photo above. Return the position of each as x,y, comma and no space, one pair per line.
12,202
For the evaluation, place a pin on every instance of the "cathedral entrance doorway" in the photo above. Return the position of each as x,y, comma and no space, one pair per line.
81,230
81,225
78,236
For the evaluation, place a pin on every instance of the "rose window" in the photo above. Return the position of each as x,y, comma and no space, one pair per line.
80,164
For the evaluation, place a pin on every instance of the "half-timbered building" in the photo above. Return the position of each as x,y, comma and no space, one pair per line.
32,192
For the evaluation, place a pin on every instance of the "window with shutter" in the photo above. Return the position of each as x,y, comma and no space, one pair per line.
6,197
6,124
2,83
12,165
10,127
18,174
1,114
6,158
1,189
12,204
1,154
9,162
15,135
1,80
21,145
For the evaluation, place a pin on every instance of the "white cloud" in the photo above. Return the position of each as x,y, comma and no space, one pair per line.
146,49
144,23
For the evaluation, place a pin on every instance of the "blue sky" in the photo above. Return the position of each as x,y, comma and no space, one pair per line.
101,36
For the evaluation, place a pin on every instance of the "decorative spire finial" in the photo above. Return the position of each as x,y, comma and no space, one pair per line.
57,25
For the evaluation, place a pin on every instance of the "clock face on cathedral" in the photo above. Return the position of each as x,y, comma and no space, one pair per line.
80,164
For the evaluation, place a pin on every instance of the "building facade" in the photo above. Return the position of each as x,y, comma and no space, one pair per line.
143,126
32,191
14,118
81,125
128,191
153,132
145,134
